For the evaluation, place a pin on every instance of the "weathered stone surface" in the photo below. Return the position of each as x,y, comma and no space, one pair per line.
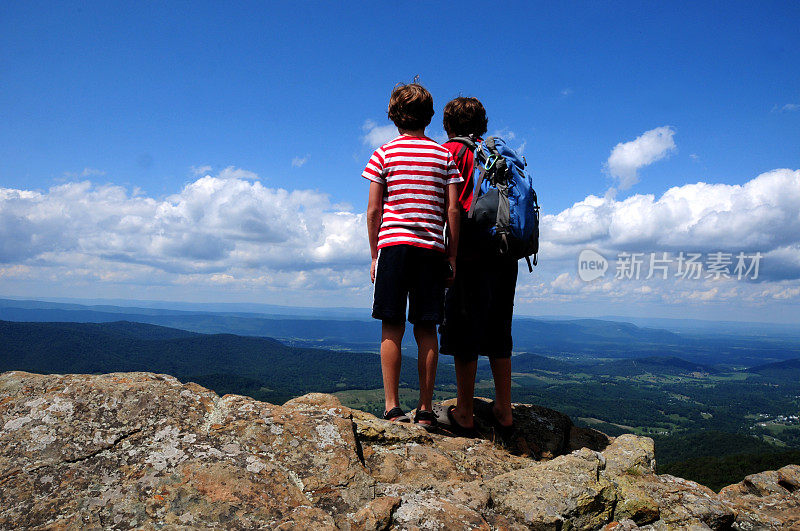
305,517
376,516
141,450
426,511
683,503
630,454
789,477
567,492
621,525
634,502
767,500
628,459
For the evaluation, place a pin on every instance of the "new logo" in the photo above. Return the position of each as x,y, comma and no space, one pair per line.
591,265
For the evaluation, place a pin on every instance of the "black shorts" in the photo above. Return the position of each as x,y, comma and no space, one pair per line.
478,309
413,273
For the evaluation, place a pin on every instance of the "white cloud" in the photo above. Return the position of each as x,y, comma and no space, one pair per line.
760,215
566,91
783,293
566,283
377,135
237,174
199,171
789,107
628,157
744,299
508,135
92,172
297,162
505,133
86,172
229,232
228,225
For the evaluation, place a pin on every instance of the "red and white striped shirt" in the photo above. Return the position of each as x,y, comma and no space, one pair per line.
415,172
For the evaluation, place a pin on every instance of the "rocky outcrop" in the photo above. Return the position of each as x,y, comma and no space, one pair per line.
768,500
143,450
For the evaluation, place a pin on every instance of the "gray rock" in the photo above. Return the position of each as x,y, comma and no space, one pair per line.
141,450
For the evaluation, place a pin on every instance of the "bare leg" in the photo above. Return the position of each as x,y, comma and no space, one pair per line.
427,360
391,339
501,370
465,380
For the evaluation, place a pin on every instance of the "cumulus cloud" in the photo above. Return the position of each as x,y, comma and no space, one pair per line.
565,283
761,215
377,135
675,292
627,158
227,231
226,227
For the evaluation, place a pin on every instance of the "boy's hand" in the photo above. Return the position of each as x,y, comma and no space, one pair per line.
372,270
449,281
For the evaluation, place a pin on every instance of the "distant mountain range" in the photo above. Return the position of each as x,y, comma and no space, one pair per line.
267,368
662,366
680,325
587,338
787,370
261,367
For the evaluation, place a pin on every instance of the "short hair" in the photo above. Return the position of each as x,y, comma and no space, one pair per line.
464,117
411,107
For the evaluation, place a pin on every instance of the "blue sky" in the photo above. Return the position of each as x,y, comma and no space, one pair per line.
154,97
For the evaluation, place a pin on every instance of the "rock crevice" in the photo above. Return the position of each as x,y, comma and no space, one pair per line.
117,441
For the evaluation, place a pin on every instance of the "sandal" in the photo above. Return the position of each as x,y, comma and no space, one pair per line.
395,415
457,428
427,416
506,433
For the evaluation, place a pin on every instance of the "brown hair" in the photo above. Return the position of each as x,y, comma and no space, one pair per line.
411,107
464,117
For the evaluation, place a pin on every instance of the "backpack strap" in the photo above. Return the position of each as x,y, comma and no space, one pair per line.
477,189
466,140
466,143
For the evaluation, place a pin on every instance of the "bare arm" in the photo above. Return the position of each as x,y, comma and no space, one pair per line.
453,224
374,215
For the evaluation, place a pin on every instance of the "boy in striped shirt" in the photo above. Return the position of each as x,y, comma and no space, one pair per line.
412,194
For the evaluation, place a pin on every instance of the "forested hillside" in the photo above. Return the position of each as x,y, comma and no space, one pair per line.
261,367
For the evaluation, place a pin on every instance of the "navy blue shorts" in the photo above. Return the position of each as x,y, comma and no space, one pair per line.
479,308
406,272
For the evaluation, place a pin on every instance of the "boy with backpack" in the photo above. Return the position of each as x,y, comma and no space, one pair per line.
499,226
412,194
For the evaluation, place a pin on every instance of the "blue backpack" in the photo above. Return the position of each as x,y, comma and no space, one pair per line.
504,211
